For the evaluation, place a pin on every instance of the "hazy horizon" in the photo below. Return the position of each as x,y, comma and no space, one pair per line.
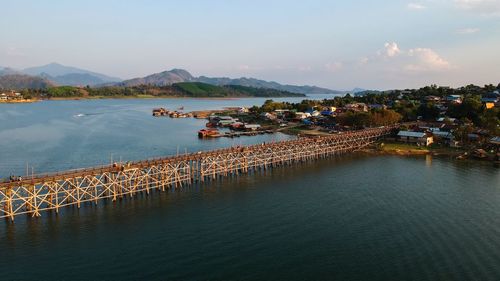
397,44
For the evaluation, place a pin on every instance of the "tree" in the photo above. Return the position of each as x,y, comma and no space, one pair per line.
428,111
384,117
462,132
470,108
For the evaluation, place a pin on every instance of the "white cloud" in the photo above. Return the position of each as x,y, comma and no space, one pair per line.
467,31
334,66
482,7
390,50
416,6
396,60
426,59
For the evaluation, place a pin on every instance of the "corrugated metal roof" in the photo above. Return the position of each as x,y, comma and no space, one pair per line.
411,134
442,134
495,140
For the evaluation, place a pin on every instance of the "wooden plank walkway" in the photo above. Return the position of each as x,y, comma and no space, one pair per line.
54,191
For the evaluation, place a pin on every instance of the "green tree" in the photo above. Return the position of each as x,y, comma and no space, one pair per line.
428,111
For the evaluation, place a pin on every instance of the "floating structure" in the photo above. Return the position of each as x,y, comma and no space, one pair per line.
157,112
204,133
52,192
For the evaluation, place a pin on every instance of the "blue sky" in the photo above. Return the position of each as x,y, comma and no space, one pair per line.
334,44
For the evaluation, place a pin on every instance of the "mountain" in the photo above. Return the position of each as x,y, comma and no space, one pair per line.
22,81
199,89
8,71
67,75
357,90
76,79
256,83
166,78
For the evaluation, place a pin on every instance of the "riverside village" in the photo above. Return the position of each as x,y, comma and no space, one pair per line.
462,123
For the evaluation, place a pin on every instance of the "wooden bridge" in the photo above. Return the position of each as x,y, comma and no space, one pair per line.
54,191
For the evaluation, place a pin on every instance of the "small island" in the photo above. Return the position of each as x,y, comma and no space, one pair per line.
176,90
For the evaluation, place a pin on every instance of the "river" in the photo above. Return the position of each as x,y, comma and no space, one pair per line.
355,217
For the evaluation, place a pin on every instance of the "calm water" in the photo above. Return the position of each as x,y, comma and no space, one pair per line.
350,218
55,135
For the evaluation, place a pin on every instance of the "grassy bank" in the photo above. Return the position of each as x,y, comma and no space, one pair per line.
396,148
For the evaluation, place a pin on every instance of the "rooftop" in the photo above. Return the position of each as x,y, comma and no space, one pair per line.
411,134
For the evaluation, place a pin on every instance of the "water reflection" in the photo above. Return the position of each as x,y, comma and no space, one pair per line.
375,212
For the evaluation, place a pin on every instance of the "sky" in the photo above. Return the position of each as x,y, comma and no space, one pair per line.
335,44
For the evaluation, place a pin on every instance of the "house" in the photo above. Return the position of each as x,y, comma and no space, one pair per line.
3,96
222,120
302,115
225,123
243,110
328,113
237,126
269,116
444,136
443,119
377,106
415,137
491,100
495,141
432,98
489,105
454,98
251,127
357,107
315,113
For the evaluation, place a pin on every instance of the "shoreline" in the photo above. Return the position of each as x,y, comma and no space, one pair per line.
398,149
20,101
146,98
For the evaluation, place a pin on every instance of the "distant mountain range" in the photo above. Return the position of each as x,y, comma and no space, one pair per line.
56,74
23,81
179,75
67,75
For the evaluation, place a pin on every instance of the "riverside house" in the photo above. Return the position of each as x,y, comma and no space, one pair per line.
415,137
11,96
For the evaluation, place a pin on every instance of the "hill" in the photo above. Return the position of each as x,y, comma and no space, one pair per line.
164,78
179,75
21,81
8,71
184,89
67,75
198,89
252,82
71,76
